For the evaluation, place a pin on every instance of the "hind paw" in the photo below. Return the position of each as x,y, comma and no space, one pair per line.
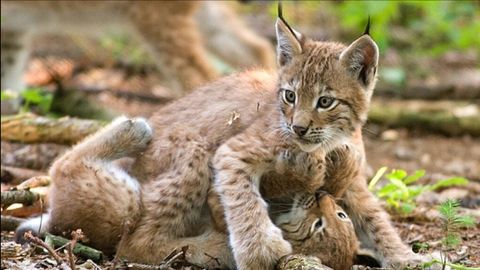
132,135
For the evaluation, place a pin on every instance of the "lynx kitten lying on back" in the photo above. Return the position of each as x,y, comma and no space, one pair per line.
240,131
177,35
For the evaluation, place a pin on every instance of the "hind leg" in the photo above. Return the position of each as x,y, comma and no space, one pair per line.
90,192
175,208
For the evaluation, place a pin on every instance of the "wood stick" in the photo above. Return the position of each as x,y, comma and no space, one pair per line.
24,197
77,235
10,223
15,175
36,181
445,117
79,249
29,128
30,237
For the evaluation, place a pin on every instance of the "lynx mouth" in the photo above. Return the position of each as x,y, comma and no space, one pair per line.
308,145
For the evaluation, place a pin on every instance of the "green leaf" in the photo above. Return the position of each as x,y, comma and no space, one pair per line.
451,240
466,221
8,95
448,209
386,190
454,181
32,95
414,177
407,208
396,174
401,186
376,178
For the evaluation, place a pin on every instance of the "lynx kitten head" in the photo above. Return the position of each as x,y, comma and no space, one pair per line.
317,226
324,87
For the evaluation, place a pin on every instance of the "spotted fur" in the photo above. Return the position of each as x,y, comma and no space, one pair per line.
236,134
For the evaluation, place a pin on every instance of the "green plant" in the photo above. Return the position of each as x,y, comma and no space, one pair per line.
8,95
123,50
452,222
36,98
401,190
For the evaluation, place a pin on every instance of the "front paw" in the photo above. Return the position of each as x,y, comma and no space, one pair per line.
263,254
309,169
412,260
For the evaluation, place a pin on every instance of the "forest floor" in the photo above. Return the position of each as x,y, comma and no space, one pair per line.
440,156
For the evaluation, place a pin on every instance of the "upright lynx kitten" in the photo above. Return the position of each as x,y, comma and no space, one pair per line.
324,91
168,30
242,130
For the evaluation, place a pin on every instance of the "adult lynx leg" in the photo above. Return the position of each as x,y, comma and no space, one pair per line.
373,227
173,39
14,57
90,192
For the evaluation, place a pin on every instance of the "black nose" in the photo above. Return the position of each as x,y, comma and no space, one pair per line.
299,130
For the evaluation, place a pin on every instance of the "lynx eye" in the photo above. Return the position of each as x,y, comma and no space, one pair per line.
289,96
342,215
325,102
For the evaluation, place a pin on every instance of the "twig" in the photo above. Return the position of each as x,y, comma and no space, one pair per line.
15,175
30,237
77,235
79,249
24,197
126,230
10,223
163,266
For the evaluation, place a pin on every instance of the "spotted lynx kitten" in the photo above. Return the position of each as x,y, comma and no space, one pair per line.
106,197
167,29
237,133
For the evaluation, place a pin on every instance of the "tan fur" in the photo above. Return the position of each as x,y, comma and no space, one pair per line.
317,226
239,130
177,35
89,173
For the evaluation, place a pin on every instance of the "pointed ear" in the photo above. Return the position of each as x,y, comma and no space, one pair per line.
361,60
289,41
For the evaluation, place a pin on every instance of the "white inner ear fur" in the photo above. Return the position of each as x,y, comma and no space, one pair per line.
288,42
363,52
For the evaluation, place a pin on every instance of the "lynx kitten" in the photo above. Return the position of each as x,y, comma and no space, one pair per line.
236,133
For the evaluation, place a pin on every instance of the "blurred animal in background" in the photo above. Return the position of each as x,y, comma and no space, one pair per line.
177,35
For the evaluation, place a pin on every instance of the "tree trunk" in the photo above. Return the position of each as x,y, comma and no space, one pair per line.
445,117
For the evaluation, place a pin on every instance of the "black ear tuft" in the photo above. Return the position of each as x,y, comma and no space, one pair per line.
280,10
289,41
367,27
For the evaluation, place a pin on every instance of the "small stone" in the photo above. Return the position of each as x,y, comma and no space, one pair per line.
390,135
403,153
425,159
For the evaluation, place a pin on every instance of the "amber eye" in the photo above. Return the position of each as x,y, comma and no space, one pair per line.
289,96
325,102
342,215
